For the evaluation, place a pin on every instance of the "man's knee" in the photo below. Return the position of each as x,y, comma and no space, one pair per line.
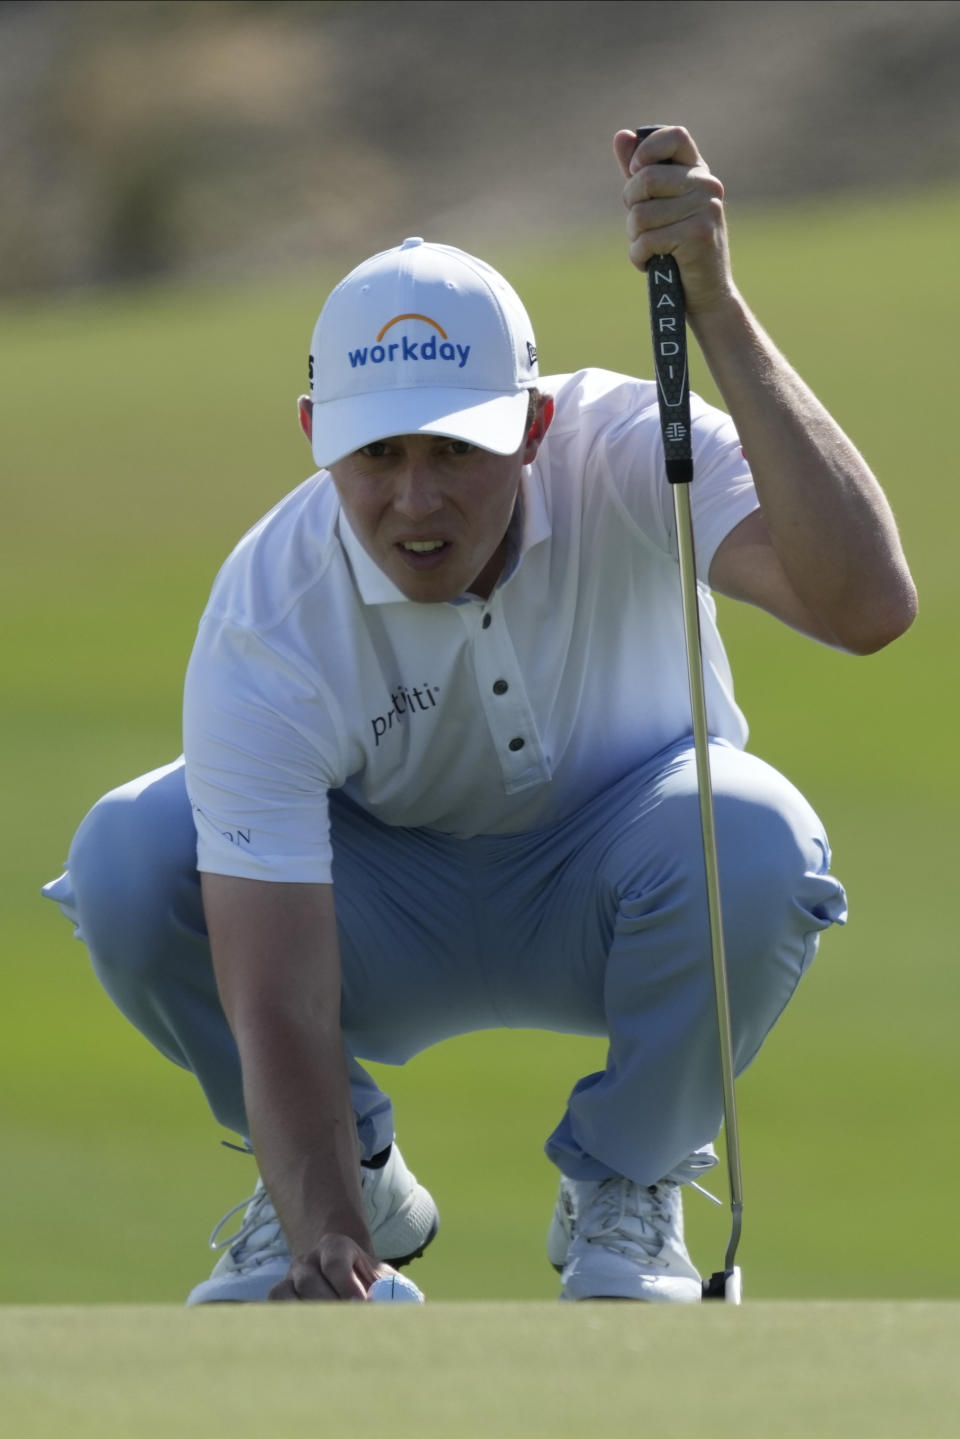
773,852
771,849
132,869
768,836
776,894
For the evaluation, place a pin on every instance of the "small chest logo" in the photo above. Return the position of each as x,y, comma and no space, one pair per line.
404,704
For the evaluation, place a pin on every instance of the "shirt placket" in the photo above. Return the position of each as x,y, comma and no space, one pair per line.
506,706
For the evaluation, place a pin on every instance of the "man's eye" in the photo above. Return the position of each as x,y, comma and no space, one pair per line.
374,451
460,447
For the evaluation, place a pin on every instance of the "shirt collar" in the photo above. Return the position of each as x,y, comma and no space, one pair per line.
536,517
376,588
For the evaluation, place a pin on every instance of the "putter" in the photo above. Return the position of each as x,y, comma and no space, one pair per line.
668,326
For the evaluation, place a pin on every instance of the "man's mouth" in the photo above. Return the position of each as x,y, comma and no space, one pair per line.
423,554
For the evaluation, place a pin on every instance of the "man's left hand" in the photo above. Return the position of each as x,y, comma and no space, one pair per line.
675,207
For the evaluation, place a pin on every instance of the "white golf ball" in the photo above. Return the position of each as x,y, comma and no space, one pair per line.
394,1289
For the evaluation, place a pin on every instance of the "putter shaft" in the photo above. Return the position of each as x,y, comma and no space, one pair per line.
698,708
668,328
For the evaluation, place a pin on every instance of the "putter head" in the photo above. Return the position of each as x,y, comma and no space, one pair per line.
726,1284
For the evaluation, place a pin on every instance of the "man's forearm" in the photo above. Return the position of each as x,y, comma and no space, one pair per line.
277,963
829,522
297,1094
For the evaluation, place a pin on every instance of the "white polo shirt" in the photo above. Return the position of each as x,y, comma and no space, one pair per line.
311,671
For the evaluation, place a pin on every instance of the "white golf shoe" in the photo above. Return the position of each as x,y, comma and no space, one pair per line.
401,1215
613,1239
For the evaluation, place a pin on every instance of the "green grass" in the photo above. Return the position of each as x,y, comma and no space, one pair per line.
142,433
483,1371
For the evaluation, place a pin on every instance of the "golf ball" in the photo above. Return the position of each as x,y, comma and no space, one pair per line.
394,1289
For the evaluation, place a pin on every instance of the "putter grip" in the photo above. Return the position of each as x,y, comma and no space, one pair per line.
668,314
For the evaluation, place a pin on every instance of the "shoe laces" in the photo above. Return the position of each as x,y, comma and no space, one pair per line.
259,1221
627,1216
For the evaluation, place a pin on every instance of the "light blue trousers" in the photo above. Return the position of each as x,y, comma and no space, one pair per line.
596,926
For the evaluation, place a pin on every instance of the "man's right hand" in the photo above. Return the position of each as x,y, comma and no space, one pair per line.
337,1269
277,964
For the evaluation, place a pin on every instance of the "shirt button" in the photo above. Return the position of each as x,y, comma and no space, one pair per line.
500,687
486,621
516,744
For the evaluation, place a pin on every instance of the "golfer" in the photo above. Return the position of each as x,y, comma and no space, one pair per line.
439,771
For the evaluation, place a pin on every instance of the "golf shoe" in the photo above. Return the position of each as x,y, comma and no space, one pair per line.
613,1239
401,1216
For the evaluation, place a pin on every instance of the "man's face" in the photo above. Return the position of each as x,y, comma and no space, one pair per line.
432,512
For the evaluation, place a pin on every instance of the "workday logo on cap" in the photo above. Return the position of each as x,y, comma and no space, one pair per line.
421,339
403,348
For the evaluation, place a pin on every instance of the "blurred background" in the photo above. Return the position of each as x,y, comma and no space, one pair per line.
182,183
147,139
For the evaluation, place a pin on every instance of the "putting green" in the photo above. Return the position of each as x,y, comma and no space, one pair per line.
477,1370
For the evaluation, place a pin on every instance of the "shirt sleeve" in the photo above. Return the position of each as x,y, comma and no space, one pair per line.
629,453
262,748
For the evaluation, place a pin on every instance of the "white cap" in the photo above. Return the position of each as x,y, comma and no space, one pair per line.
422,339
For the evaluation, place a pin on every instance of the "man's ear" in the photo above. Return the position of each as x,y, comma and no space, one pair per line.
537,430
305,411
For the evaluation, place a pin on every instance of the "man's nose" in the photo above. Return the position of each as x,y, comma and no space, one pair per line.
417,495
